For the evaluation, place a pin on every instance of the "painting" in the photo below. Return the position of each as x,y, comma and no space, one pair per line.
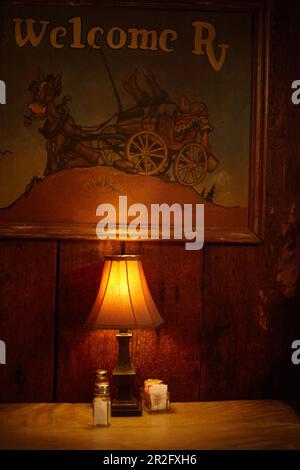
161,104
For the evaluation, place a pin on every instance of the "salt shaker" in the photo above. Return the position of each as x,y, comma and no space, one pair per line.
102,405
101,378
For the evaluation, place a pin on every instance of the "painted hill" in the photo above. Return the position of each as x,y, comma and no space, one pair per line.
72,196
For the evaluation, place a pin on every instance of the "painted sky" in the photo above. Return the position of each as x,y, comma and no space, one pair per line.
226,93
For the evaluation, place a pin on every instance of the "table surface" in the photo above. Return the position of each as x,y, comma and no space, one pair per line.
242,424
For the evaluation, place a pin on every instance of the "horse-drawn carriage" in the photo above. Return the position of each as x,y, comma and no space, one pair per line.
152,139
147,139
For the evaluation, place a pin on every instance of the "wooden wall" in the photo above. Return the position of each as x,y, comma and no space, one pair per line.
230,311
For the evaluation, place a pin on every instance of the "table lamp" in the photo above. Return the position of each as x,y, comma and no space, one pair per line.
124,302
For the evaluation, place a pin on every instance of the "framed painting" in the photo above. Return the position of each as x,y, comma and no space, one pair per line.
161,103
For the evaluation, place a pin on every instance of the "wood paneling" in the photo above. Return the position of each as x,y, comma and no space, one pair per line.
283,162
242,340
80,351
250,313
27,293
171,353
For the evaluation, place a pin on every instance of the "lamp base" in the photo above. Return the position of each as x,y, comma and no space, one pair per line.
126,408
123,378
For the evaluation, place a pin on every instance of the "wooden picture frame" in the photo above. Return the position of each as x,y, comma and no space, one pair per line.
253,231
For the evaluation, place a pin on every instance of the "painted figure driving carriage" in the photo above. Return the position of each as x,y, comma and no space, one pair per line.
145,139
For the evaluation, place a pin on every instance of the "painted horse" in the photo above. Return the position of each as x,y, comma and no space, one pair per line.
68,145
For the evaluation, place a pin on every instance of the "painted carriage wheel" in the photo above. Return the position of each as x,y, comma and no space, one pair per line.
148,152
191,165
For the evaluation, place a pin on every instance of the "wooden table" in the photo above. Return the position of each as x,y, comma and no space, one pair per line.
204,425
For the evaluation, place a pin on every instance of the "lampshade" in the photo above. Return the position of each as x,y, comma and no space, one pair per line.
124,300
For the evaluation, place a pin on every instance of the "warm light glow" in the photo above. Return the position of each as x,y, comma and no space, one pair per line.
124,299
